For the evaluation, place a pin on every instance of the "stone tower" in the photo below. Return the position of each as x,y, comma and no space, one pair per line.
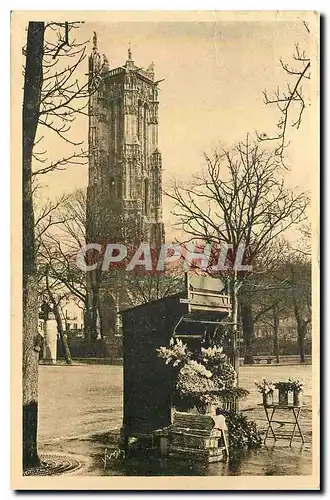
124,194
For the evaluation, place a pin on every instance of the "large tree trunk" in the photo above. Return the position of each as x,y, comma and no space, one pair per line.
275,329
31,104
248,331
30,350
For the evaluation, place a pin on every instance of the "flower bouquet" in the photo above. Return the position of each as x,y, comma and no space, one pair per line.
266,388
296,387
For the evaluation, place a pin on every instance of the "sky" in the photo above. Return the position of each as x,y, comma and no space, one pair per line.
214,73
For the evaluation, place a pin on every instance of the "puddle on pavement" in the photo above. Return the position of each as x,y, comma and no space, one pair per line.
267,461
271,460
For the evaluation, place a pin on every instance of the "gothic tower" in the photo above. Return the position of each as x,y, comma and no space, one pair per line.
124,194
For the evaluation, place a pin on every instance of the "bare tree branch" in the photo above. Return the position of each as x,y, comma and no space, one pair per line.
291,102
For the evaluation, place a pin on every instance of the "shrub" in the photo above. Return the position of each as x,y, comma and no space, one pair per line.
241,431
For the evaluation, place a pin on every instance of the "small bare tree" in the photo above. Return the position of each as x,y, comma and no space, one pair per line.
61,234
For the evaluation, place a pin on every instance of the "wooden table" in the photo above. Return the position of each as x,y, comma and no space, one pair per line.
270,413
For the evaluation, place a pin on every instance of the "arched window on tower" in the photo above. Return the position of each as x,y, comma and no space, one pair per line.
112,184
129,180
145,130
112,128
115,126
118,125
140,120
156,188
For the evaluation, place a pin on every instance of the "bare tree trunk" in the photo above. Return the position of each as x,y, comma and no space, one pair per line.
66,348
56,311
87,322
301,331
90,320
31,104
301,324
234,318
63,337
91,310
275,330
235,332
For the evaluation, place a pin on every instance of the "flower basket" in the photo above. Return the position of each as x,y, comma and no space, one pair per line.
297,397
267,399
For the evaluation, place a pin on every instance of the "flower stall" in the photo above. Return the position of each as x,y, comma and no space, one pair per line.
176,362
204,385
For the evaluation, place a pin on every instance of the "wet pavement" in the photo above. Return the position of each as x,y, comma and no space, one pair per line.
81,410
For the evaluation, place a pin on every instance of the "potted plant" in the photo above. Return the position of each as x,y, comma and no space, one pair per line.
296,387
283,392
267,390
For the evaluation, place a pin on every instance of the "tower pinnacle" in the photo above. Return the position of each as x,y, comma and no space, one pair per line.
94,58
151,68
129,52
94,41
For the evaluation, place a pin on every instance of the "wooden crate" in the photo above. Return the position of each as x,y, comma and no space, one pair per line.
189,440
209,455
195,437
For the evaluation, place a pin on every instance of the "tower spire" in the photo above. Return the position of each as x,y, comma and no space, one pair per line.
129,52
94,58
94,41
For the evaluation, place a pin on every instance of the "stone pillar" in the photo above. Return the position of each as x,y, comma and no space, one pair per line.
50,340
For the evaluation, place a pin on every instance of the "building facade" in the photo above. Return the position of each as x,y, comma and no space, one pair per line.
124,195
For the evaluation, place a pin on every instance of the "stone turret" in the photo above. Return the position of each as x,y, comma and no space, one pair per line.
95,57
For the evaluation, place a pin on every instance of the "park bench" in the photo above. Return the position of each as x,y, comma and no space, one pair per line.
264,359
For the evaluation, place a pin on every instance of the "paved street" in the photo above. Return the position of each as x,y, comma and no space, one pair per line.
81,411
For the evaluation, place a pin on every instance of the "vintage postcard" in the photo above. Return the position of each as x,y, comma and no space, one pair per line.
165,218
